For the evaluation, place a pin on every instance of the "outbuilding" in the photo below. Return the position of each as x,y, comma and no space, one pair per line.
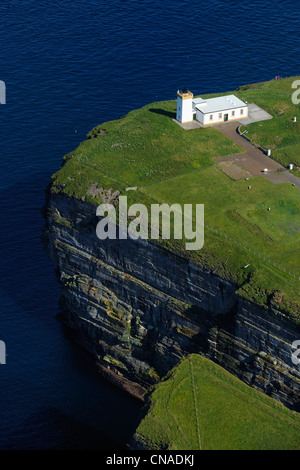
209,111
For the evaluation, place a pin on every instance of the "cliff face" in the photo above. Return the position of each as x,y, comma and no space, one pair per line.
139,309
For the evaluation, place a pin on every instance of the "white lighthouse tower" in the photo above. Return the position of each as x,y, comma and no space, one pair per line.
184,105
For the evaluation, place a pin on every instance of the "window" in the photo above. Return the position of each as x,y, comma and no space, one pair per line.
211,117
242,112
220,116
233,113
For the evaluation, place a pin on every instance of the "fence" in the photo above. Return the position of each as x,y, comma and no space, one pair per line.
253,252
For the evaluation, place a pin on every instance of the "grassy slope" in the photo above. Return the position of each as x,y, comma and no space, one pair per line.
148,150
280,134
144,147
200,405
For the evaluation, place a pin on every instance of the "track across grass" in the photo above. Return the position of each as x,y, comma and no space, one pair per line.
200,405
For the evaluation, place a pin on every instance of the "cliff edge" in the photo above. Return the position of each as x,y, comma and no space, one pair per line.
139,306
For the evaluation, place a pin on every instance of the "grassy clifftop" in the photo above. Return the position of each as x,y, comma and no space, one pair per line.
244,242
202,406
280,134
143,148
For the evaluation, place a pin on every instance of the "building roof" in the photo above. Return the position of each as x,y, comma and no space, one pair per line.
222,103
198,100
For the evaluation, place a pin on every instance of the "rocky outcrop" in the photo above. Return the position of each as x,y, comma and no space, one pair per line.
139,308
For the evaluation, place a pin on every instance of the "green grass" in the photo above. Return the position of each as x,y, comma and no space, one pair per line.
144,147
239,229
168,164
279,134
201,406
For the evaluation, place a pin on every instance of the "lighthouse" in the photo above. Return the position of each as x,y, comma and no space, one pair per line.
184,105
209,111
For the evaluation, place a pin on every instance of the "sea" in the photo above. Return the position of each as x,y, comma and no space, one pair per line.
67,66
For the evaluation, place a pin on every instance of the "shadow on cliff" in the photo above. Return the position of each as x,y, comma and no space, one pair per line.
163,112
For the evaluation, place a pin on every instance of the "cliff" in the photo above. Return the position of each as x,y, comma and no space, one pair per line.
139,309
220,412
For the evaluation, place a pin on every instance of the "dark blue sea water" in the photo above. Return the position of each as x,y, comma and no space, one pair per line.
69,65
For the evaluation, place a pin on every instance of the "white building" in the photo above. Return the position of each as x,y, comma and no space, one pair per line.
210,111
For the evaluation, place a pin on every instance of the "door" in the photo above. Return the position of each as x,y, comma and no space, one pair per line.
225,117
